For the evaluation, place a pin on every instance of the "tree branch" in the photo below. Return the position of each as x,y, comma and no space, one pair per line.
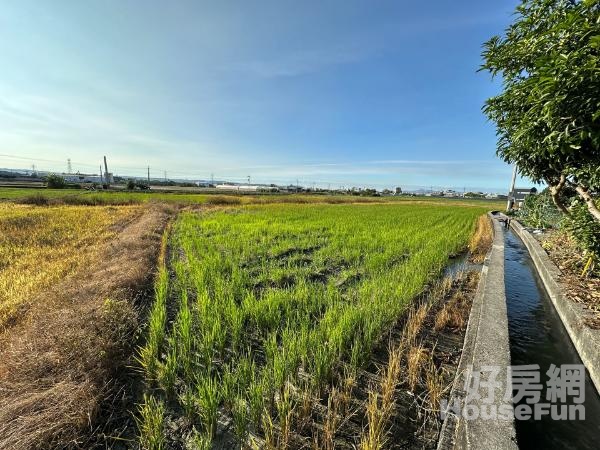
584,193
555,193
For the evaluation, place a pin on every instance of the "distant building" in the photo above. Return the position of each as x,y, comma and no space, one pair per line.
83,178
518,195
246,188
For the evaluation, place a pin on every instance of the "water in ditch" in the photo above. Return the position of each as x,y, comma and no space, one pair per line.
537,336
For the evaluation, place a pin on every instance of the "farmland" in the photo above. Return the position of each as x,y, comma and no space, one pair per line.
266,322
122,197
69,277
263,313
39,246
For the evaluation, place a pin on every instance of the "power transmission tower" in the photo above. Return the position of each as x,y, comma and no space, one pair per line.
165,176
248,179
212,179
69,167
148,175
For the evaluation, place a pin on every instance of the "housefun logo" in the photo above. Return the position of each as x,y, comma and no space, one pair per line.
522,397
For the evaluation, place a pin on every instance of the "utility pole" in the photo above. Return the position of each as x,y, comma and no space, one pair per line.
297,185
148,175
512,188
101,177
69,167
106,176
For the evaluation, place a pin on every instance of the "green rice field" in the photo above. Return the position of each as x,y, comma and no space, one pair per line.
258,308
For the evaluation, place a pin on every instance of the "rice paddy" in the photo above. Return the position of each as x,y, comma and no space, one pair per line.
39,246
122,197
260,310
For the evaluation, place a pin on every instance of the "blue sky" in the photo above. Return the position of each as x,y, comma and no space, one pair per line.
380,93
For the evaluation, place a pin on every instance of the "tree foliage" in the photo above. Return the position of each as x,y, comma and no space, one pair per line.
54,181
585,229
548,115
538,211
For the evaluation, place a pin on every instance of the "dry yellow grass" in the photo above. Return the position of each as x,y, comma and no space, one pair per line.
481,241
61,363
42,245
417,356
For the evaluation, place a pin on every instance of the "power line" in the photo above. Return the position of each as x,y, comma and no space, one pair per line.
144,171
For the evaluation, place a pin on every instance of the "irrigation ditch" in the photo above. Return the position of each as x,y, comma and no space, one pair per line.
532,322
547,328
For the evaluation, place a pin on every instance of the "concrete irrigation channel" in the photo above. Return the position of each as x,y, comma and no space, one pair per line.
520,316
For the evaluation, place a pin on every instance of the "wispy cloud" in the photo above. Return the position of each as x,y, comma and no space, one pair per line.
297,63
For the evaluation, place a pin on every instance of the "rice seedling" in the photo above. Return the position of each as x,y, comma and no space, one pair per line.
149,354
150,423
274,302
270,432
285,404
256,401
199,441
208,397
241,418
187,401
167,370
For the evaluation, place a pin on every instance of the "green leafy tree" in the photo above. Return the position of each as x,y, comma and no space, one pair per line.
54,181
548,115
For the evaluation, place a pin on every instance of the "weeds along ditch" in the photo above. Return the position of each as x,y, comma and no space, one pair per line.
266,317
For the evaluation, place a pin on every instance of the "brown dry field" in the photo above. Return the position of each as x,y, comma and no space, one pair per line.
60,360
